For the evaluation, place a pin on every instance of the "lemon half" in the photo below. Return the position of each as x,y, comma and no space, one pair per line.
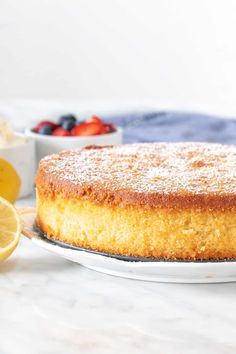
9,181
10,229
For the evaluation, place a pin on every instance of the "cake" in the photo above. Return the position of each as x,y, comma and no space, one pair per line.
174,201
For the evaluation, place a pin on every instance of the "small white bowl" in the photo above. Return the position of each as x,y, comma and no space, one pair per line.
49,144
22,158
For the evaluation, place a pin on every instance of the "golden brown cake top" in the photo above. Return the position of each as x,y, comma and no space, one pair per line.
170,175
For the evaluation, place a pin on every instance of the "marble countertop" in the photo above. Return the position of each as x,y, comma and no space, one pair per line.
52,306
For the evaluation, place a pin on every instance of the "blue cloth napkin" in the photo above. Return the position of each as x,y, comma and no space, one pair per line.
175,127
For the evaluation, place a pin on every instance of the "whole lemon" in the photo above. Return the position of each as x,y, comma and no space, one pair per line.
9,181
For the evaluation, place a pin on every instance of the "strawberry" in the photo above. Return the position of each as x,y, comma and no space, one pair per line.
103,129
43,123
87,128
109,128
60,132
95,119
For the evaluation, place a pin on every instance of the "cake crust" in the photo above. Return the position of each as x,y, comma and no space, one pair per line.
171,201
134,231
172,176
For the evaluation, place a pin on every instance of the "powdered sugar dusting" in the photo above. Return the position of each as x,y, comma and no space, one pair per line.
195,168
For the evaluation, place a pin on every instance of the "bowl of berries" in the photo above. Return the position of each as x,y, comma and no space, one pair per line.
70,133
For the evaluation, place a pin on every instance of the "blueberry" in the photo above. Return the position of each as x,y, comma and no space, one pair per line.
68,124
45,130
66,117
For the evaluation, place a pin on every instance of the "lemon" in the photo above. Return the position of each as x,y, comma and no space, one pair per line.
9,181
10,229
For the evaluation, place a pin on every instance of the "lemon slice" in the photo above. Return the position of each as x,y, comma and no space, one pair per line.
10,229
9,181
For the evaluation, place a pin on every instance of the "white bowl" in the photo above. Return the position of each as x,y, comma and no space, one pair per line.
22,158
49,144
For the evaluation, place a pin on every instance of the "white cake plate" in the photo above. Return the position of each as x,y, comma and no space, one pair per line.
132,267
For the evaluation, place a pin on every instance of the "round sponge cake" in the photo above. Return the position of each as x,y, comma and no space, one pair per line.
163,200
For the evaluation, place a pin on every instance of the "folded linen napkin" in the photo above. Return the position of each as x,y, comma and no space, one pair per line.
175,127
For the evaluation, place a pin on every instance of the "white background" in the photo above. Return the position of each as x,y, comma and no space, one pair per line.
175,54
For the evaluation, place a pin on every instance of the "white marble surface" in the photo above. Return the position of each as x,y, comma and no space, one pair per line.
52,306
